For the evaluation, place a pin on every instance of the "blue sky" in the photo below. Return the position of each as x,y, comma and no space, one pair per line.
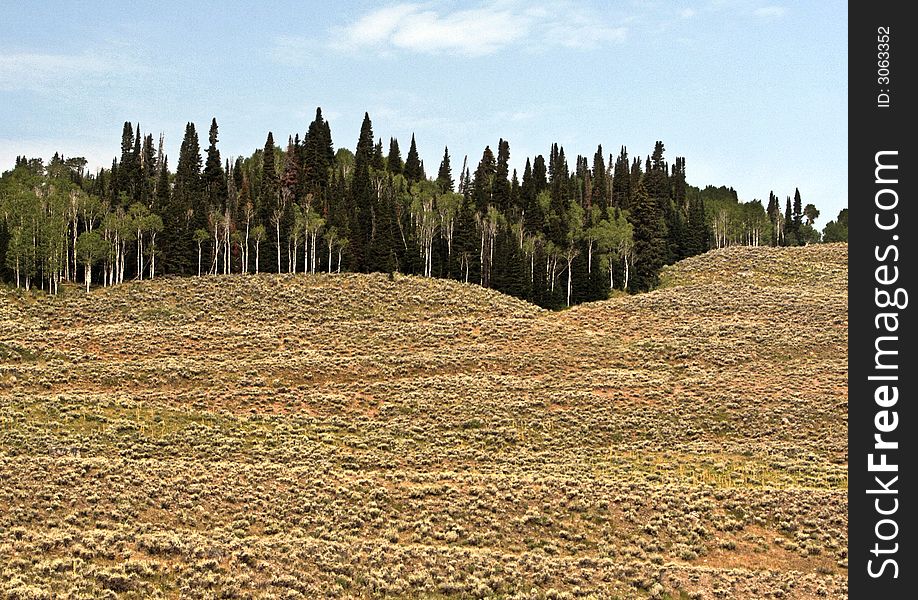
752,92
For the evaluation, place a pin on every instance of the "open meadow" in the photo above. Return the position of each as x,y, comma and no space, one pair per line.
356,436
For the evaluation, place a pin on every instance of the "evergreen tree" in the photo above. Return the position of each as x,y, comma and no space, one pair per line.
501,181
317,157
697,236
444,174
123,181
163,188
798,212
214,176
269,209
483,184
135,177
149,172
635,176
185,213
379,161
364,197
414,172
528,201
600,188
774,216
394,159
790,233
649,240
677,180
539,175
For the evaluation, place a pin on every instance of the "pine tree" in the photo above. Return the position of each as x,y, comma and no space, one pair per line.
317,157
529,205
445,173
363,202
123,181
635,176
269,205
149,173
600,187
649,240
394,159
163,189
539,175
414,172
483,183
790,234
379,160
136,175
185,213
798,216
214,176
697,236
774,215
501,181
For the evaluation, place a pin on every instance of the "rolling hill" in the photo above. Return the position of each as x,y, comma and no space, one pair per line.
355,436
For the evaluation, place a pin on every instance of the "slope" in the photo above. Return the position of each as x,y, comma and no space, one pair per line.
352,436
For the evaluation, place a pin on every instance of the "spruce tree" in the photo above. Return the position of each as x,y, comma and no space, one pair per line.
621,182
394,159
379,160
501,182
774,215
269,205
635,176
528,202
649,240
136,174
539,175
363,195
600,188
185,213
123,181
317,156
149,173
214,176
483,183
414,172
444,174
798,216
790,234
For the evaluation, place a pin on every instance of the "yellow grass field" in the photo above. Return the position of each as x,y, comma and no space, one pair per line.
352,436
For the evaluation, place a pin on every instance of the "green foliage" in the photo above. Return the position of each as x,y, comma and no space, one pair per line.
649,240
555,236
837,230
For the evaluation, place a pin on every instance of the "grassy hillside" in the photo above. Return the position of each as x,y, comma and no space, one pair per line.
351,436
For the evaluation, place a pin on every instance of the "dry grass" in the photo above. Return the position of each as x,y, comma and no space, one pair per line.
352,436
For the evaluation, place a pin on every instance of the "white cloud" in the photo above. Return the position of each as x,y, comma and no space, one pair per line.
770,12
478,31
377,26
583,31
687,13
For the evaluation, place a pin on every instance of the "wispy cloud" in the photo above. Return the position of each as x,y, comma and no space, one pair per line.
687,13
41,72
770,12
478,31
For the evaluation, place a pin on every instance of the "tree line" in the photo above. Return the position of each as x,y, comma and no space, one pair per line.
553,235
